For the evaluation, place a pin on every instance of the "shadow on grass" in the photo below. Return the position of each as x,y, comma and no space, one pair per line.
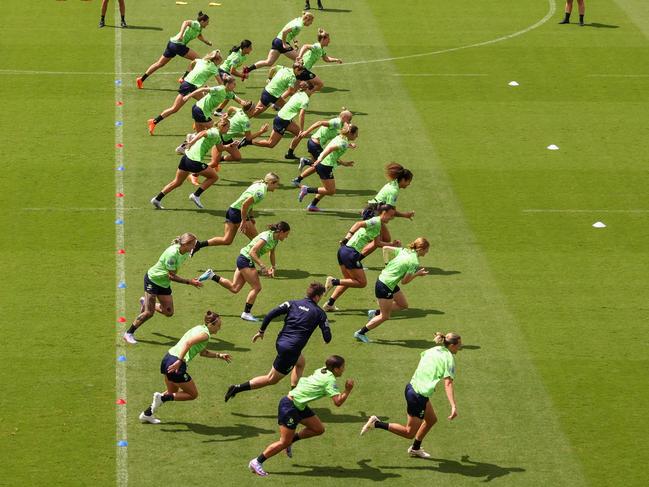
338,472
295,274
332,89
397,315
232,432
325,415
602,26
433,271
336,10
465,467
175,90
135,27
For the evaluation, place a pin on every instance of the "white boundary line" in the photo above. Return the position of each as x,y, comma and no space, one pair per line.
617,76
450,75
575,210
121,454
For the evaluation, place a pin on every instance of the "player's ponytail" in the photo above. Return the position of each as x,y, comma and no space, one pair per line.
279,227
345,115
247,106
244,44
349,129
322,34
333,362
419,244
214,56
184,238
210,317
201,17
447,339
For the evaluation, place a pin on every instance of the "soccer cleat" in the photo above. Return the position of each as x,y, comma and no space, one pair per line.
581,23
206,276
180,150
313,209
141,304
101,23
289,451
256,467
320,6
155,202
248,317
196,200
371,313
369,425
243,142
290,156
148,419
303,162
565,21
246,70
151,124
123,24
295,182
328,308
156,402
421,453
361,338
307,6
139,83
129,338
231,392
304,190
329,284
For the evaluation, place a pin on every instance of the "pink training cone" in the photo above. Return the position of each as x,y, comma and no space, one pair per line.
121,319
119,145
119,103
121,251
120,401
119,195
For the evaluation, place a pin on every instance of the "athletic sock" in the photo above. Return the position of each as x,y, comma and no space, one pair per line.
247,308
144,76
381,425
331,302
296,437
252,67
567,17
363,330
158,119
299,179
186,73
216,278
290,152
198,192
416,445
242,387
148,412
200,244
377,312
160,196
103,18
315,202
581,19
335,282
131,330
311,190
167,397
123,19
261,458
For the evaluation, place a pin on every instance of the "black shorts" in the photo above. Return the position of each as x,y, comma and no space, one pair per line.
233,215
173,50
244,262
198,115
278,45
381,291
325,172
226,142
290,416
285,360
349,257
369,211
416,403
186,88
279,125
189,165
305,75
314,149
266,98
178,377
151,287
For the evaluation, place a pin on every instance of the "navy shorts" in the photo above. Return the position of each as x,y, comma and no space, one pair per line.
189,165
278,45
186,88
285,360
266,98
178,377
173,50
305,75
325,172
416,403
369,211
233,215
151,287
314,149
244,262
198,115
290,416
279,125
226,142
349,257
381,291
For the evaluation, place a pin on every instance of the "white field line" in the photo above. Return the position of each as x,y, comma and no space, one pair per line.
617,75
124,209
121,455
450,75
578,210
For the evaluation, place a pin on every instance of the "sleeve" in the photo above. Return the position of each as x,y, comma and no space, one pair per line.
229,94
335,123
373,222
332,388
171,264
282,309
324,327
246,125
449,369
258,196
196,25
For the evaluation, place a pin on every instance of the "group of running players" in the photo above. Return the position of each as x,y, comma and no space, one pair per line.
288,91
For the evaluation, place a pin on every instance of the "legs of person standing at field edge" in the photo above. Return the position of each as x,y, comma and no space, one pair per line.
582,10
122,11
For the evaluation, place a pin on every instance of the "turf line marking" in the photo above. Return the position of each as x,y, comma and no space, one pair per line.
459,75
150,208
121,454
575,210
617,75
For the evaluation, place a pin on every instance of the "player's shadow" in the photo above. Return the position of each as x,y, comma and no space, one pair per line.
135,27
355,192
233,432
331,89
339,472
325,415
336,10
219,213
164,89
335,114
416,344
345,215
465,467
397,315
597,25
295,274
432,271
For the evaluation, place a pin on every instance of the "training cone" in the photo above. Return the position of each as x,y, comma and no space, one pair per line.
513,83
599,225
553,147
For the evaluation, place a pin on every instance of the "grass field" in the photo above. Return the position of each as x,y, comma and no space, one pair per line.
551,385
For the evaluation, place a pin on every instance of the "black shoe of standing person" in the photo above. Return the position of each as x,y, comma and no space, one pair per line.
320,7
564,21
102,23
307,6
123,24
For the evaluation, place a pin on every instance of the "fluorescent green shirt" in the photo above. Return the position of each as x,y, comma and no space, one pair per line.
295,25
239,124
388,194
203,70
170,260
326,134
314,387
195,349
191,33
234,60
332,159
197,151
435,364
270,243
313,55
366,234
284,78
256,190
213,99
405,262
297,102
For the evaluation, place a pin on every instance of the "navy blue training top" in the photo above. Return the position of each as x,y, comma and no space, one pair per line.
303,316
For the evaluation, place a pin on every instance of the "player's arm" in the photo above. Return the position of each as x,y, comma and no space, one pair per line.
355,228
196,138
244,212
176,278
205,41
328,150
321,123
199,91
282,309
326,330
181,357
223,356
329,59
450,395
340,399
303,50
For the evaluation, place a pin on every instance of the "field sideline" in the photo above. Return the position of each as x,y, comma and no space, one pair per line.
551,385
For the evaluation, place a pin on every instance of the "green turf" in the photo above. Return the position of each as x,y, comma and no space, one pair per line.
550,386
